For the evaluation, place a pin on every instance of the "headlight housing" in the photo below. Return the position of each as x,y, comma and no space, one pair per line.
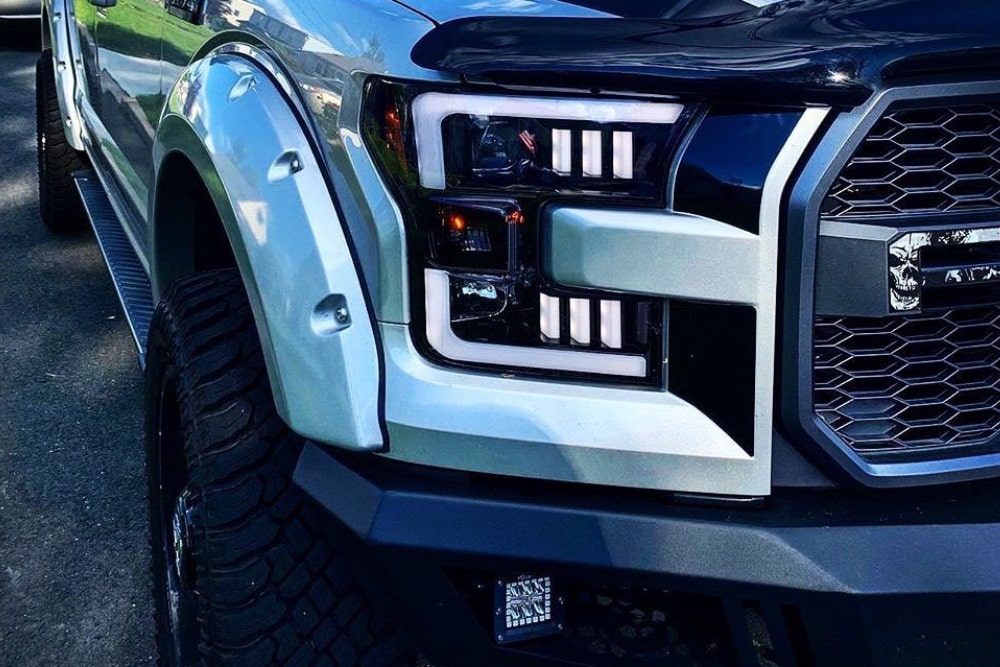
474,174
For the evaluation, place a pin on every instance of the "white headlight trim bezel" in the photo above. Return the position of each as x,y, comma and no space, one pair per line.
430,110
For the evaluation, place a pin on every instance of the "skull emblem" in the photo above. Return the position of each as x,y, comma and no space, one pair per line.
905,279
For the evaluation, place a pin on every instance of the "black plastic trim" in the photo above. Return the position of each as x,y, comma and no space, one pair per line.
712,352
726,160
806,541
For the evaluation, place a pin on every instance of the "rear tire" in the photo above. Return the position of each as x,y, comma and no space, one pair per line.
59,202
261,581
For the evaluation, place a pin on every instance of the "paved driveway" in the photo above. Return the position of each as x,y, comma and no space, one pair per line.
73,563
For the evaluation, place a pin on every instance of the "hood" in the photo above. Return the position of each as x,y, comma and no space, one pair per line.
442,11
798,51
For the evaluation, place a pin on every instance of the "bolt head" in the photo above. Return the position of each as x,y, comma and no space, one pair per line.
341,314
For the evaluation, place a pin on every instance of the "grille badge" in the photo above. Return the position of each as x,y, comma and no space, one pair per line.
908,274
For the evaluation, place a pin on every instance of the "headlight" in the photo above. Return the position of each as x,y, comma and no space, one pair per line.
473,175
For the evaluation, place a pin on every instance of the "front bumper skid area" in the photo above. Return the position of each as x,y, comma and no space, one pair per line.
911,581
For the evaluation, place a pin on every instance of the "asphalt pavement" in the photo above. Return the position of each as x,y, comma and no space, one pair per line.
74,586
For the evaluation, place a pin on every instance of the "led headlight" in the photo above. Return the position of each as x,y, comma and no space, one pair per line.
473,175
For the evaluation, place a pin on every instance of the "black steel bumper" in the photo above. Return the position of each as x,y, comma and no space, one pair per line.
839,577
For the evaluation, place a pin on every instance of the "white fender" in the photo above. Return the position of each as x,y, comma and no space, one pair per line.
233,123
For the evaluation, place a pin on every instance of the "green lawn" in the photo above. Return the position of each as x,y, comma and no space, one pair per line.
151,106
135,27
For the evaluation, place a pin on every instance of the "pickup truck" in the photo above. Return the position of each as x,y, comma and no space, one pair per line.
551,332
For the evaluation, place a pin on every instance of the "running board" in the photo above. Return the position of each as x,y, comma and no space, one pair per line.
127,272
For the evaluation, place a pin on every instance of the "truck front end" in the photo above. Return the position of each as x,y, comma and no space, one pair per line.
693,356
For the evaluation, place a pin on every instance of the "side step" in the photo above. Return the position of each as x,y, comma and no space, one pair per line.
127,272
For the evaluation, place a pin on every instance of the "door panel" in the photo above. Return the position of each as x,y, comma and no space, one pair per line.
128,36
84,17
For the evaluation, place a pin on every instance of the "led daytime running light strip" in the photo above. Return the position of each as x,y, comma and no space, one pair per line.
430,110
443,339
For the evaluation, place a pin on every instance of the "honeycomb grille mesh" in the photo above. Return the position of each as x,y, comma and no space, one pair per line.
923,160
919,384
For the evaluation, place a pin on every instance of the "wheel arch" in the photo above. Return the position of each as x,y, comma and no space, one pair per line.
256,163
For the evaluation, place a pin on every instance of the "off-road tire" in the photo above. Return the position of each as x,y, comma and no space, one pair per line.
271,585
59,203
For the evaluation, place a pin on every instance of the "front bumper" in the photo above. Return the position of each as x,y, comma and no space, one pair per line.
835,578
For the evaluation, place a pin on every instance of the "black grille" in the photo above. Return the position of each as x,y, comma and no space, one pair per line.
615,627
906,387
924,160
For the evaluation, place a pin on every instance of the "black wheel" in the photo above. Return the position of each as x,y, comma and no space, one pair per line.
59,203
243,573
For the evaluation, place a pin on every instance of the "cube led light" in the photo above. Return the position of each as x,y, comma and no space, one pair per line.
527,608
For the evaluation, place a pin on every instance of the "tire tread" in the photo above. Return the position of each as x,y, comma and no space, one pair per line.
59,202
275,590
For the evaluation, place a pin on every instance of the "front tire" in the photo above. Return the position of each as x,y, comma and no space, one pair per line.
243,573
59,202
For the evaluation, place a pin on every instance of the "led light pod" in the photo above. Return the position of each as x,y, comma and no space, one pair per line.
526,607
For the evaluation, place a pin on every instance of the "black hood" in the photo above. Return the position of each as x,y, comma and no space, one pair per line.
803,51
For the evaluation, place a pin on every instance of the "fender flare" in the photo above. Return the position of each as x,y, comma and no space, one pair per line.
233,123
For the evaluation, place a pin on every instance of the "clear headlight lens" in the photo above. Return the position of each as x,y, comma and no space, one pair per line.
473,175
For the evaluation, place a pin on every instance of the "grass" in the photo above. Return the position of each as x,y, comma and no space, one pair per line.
151,106
142,28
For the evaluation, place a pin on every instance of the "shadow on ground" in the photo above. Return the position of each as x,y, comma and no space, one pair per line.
73,557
